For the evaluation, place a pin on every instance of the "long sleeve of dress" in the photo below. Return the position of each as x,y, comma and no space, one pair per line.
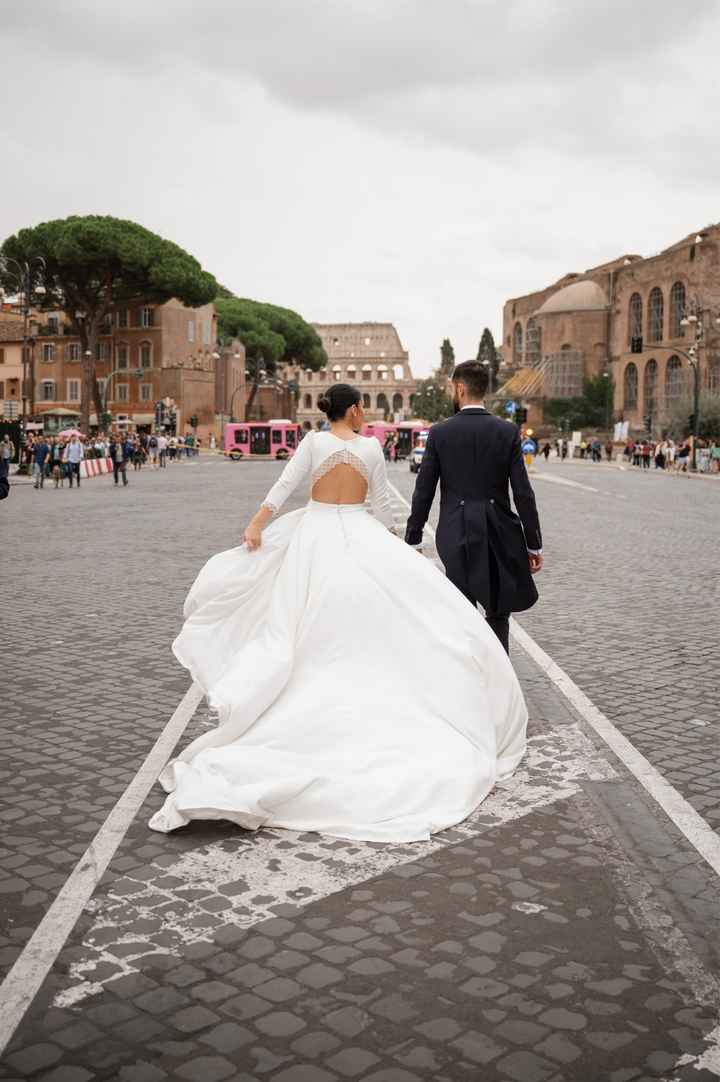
378,491
297,471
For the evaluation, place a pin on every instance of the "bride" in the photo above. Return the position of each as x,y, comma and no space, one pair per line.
358,693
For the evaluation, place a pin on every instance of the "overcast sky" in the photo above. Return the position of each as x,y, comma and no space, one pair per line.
416,161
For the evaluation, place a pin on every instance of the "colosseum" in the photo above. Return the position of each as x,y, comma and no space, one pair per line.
370,355
629,318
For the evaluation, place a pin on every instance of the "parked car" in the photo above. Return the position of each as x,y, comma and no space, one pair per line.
416,455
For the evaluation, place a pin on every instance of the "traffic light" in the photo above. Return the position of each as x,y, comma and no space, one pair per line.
521,415
648,423
194,421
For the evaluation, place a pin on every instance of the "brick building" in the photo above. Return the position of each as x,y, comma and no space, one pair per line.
369,355
145,353
624,318
11,329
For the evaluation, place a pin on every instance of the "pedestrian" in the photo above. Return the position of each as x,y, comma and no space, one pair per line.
120,451
74,455
41,453
546,451
162,445
4,482
153,450
7,450
138,455
57,468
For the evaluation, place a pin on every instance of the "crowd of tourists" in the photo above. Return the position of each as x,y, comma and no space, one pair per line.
671,455
57,459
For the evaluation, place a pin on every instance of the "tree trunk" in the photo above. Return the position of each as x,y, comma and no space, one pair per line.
87,381
97,398
251,399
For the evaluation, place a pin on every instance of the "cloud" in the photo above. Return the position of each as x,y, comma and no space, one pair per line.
411,160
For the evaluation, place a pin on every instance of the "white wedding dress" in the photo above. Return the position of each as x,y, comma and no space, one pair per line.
358,693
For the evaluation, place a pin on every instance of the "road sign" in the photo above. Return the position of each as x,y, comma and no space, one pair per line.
510,406
529,447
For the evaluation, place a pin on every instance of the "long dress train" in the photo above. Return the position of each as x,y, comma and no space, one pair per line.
358,693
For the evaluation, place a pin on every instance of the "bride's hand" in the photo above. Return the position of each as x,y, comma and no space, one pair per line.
253,537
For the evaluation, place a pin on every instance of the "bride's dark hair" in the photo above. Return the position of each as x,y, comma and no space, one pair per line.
337,400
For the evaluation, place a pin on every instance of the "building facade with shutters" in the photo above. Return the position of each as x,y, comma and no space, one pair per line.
145,353
625,318
371,357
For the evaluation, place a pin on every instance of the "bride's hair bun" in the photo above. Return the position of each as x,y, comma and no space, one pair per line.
338,399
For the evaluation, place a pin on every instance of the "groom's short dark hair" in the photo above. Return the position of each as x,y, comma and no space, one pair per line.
475,377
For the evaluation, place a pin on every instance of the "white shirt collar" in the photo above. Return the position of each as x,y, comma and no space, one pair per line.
475,406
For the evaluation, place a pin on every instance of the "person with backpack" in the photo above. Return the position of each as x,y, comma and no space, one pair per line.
153,451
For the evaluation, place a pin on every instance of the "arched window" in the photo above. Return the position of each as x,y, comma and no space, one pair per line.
630,387
655,316
337,373
309,375
677,310
382,403
367,372
382,372
674,379
366,401
397,403
533,349
517,343
635,323
351,373
650,386
308,401
398,372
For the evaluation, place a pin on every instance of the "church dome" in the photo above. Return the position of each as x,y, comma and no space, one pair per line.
585,296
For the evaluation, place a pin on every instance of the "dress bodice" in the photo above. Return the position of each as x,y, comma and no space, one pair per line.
320,452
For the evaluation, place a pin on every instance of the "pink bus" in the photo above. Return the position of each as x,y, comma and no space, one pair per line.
407,433
260,439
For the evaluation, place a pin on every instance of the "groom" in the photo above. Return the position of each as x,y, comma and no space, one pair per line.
489,553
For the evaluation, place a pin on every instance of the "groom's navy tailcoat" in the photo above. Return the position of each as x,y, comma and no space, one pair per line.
481,541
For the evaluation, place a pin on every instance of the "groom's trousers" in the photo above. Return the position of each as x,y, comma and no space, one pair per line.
498,621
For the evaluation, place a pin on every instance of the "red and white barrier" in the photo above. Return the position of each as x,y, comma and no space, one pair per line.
93,467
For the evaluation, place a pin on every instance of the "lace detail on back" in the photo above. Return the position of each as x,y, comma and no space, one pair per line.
345,457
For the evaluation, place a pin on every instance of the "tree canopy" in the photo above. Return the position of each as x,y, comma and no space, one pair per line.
94,263
447,357
487,351
589,410
431,403
271,335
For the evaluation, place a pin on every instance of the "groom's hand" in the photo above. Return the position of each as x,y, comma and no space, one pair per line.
536,562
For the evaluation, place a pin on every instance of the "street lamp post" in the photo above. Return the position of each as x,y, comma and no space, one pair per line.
694,316
22,273
606,375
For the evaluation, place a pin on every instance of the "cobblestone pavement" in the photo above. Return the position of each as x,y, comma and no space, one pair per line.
629,600
565,931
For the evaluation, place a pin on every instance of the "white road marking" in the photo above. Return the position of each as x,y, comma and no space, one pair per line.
709,1060
697,831
563,481
255,873
32,966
